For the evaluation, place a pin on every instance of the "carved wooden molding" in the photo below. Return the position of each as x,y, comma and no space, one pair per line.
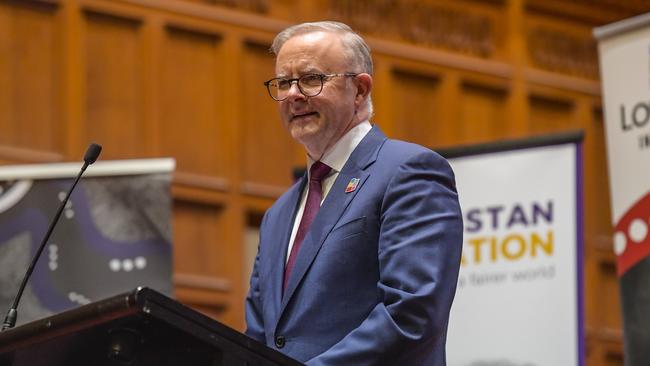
22,155
629,5
211,303
557,51
199,196
41,4
262,190
204,11
204,293
439,57
419,22
604,333
256,6
565,82
201,181
597,12
201,282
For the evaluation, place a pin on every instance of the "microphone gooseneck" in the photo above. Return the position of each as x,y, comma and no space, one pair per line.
92,153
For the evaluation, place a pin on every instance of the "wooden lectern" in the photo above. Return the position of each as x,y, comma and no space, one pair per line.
139,328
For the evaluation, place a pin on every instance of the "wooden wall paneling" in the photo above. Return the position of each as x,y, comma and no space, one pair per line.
592,300
382,96
254,212
597,193
152,39
29,81
417,107
613,354
498,11
230,107
437,58
453,26
482,113
600,279
197,193
288,10
596,12
114,85
251,243
597,220
563,82
6,76
516,46
256,6
234,244
604,352
210,12
192,125
267,151
450,89
206,295
71,89
550,40
257,204
550,114
199,259
609,306
10,154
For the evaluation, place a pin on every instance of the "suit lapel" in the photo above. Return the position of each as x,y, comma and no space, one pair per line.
333,207
282,230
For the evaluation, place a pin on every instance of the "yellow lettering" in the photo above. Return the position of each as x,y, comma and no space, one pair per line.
511,247
477,242
493,249
537,242
519,245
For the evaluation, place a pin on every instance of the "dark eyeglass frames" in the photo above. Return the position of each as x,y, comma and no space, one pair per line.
310,85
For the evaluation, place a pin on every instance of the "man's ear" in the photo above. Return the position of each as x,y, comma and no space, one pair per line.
364,86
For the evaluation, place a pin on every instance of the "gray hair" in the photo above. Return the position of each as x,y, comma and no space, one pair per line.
356,49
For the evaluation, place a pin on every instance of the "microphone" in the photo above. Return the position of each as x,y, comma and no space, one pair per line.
92,153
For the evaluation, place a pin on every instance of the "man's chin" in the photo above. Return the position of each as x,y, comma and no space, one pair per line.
305,136
301,131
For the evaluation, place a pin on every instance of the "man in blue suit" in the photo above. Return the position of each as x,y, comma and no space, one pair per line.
358,261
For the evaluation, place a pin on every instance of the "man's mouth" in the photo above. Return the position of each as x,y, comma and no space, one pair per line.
303,115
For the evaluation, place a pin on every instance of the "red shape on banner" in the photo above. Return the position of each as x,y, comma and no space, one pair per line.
632,235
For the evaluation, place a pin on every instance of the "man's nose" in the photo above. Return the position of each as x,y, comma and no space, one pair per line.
294,91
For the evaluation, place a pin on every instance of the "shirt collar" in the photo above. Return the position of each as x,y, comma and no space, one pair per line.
338,155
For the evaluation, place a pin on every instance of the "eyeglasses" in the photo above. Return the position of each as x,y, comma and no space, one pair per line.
310,85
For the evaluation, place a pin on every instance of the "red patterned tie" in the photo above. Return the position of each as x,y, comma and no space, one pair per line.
317,173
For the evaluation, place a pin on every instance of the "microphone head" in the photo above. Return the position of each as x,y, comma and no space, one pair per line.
92,153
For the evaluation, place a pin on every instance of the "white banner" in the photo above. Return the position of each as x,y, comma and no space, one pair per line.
114,233
625,72
519,294
624,49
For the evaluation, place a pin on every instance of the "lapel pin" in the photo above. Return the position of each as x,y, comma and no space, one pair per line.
352,185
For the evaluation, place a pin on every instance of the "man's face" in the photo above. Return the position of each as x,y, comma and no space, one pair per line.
317,122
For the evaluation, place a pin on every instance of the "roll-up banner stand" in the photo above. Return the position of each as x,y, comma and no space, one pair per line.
520,292
624,50
114,233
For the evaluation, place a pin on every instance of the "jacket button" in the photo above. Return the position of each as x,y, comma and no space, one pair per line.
280,341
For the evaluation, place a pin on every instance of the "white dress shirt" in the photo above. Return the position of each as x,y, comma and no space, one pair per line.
336,157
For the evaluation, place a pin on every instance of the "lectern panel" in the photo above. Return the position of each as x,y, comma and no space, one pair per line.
139,328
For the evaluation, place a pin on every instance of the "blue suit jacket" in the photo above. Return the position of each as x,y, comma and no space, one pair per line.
376,275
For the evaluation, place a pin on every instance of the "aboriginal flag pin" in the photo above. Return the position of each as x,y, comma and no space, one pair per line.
352,185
